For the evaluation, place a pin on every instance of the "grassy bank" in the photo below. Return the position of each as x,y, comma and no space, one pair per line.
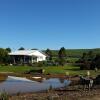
69,69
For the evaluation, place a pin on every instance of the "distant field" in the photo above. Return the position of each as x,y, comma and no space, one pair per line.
77,52
72,59
72,70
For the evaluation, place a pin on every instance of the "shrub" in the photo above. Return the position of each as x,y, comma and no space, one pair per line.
38,64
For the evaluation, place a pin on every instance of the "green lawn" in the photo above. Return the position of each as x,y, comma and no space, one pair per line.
15,69
72,70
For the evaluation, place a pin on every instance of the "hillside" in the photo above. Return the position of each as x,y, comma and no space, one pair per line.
76,52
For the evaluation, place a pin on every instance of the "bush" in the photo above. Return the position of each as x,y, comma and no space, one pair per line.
51,63
85,67
38,64
62,62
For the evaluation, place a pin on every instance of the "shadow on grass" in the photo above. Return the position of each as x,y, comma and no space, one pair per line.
73,69
40,71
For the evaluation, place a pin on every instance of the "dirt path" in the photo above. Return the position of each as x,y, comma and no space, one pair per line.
96,97
60,95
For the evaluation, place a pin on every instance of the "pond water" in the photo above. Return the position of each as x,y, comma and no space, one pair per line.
14,85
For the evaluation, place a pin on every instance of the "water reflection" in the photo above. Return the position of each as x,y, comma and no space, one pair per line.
13,85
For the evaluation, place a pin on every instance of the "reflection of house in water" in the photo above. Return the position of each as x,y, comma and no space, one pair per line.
27,56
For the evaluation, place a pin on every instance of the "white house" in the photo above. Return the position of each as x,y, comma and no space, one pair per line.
27,56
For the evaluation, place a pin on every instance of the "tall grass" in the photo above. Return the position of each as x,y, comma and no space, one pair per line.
4,96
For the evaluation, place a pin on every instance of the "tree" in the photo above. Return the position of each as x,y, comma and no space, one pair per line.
84,57
97,61
88,60
90,55
8,50
21,48
34,49
49,53
62,56
62,53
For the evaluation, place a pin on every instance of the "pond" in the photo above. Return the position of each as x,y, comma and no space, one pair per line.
14,85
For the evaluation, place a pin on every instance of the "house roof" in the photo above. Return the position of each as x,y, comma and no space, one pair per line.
27,53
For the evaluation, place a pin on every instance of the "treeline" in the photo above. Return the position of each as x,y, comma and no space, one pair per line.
76,52
90,60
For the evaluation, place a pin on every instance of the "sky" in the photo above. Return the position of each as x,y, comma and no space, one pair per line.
50,24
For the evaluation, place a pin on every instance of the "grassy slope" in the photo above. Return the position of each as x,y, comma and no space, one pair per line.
77,52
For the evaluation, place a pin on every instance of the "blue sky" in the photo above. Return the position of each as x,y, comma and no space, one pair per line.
50,24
